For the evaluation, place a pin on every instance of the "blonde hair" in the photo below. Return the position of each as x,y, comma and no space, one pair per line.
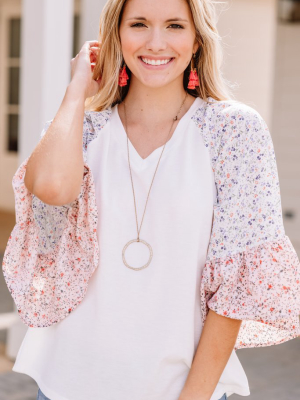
208,59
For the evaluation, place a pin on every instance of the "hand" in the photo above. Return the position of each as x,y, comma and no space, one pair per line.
82,67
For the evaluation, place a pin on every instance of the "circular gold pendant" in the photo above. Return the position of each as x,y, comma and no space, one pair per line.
150,257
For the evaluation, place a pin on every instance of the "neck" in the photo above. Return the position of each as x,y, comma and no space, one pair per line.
163,102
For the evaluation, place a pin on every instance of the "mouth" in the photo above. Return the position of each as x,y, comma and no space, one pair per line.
156,64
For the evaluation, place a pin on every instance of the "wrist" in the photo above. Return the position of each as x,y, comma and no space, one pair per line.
183,397
187,395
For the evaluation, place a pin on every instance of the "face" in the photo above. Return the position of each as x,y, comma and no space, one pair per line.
157,39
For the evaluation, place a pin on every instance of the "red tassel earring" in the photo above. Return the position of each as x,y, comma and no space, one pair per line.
123,77
193,78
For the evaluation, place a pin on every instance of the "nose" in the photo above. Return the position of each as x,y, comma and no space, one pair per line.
156,40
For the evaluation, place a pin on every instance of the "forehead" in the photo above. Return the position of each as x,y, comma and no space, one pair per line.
159,10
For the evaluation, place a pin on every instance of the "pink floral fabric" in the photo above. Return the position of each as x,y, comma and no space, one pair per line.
52,251
252,271
259,286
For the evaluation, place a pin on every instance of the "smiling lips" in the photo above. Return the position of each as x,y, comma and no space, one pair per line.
155,62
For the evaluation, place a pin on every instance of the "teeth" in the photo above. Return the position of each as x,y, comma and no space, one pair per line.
155,62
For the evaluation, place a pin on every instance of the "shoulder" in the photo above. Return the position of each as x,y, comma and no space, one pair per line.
232,118
227,122
225,109
229,115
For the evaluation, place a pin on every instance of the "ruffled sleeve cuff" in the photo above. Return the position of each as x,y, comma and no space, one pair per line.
261,287
51,253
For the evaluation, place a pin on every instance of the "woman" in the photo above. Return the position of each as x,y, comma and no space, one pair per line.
167,155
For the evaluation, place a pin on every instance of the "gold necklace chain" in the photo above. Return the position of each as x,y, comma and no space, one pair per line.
139,229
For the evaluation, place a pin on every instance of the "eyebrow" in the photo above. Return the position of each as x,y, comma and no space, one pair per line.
168,20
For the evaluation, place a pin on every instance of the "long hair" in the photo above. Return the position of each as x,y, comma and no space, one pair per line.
207,62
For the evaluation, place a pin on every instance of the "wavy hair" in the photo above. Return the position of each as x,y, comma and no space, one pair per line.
208,60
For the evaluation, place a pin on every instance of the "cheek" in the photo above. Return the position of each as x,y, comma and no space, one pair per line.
184,47
129,43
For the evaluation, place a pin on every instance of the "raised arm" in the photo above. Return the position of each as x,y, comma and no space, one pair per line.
55,168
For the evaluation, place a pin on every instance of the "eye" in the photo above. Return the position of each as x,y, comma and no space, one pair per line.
178,26
136,25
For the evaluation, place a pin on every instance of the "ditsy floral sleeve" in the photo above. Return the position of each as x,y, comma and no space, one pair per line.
252,271
53,250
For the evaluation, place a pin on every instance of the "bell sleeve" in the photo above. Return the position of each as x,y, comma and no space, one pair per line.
52,251
252,271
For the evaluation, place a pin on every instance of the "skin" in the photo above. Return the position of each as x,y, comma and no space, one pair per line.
214,349
153,89
162,91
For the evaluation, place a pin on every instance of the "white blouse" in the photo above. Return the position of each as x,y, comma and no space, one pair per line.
135,333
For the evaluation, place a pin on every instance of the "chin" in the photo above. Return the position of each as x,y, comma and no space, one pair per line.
156,83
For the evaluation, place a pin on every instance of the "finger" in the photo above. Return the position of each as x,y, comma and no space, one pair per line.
87,46
93,57
94,52
90,43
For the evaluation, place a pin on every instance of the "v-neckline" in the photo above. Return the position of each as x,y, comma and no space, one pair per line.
135,157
